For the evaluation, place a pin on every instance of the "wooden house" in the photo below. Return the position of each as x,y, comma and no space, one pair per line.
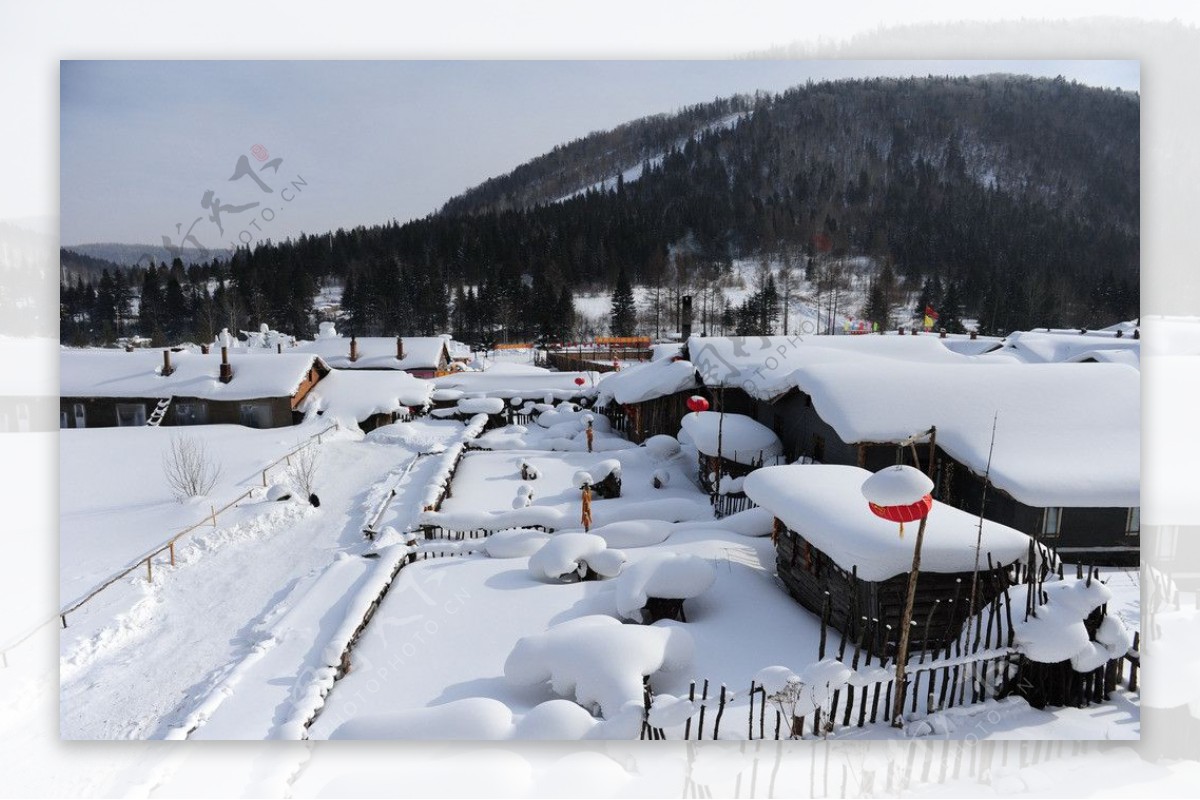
113,388
1065,467
831,549
368,399
648,399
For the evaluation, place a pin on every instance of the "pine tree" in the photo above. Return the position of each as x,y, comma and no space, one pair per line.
624,308
949,314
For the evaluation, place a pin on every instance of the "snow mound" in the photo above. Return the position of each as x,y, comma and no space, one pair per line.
480,718
667,710
662,446
514,543
751,522
598,660
900,485
569,556
673,576
481,405
633,532
776,680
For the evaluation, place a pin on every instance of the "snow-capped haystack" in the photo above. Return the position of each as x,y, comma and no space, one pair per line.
741,439
900,485
596,473
514,543
1058,632
597,660
569,557
662,576
662,446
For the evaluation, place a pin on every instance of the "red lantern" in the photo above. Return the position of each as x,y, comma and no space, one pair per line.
579,381
890,494
697,403
909,513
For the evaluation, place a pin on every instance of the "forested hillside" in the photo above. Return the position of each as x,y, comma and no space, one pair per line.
1013,200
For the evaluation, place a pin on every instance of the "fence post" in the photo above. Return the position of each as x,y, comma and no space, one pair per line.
172,546
213,509
149,572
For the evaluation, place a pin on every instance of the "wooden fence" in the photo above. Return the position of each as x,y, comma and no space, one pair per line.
726,504
168,546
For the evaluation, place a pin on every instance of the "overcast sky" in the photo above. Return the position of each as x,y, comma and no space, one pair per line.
142,142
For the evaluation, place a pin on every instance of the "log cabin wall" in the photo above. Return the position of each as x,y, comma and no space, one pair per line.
808,574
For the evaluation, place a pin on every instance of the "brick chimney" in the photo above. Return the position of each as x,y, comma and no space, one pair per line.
900,330
941,333
353,349
686,314
399,349
226,367
279,347
974,335
204,348
1137,333
167,368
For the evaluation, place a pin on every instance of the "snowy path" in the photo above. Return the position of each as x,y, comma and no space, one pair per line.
285,682
139,663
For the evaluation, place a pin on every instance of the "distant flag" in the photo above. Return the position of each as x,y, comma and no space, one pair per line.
930,317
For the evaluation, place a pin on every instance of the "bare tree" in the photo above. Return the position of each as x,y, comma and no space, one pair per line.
189,469
304,469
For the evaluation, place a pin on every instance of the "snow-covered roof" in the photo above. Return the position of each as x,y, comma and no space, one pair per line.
742,439
518,380
647,381
1066,434
825,505
354,396
377,352
762,366
116,373
1040,347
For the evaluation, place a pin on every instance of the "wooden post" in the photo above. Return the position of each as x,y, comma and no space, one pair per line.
213,509
149,572
905,624
172,546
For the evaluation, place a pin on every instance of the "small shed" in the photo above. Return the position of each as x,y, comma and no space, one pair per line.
648,399
830,545
729,445
369,398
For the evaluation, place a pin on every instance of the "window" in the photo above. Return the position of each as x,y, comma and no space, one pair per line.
191,413
80,414
130,415
1051,523
62,419
255,415
1133,523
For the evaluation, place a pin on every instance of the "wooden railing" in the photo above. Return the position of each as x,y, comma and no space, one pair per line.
168,547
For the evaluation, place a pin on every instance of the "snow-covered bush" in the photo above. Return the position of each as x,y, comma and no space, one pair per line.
633,532
660,479
661,576
800,695
598,661
189,469
576,556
